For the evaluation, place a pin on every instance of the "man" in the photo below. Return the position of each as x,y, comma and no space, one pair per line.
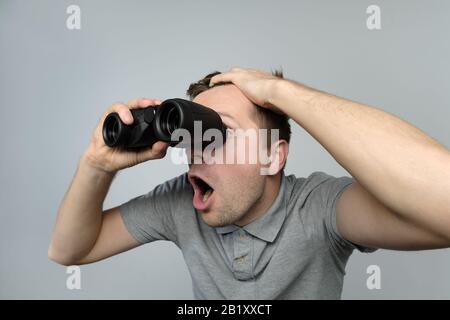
250,236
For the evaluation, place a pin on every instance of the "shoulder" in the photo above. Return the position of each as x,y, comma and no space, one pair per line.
315,192
312,201
174,187
173,192
303,186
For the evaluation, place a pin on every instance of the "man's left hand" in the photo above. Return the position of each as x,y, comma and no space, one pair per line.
258,86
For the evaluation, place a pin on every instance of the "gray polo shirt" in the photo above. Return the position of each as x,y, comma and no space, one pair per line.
294,251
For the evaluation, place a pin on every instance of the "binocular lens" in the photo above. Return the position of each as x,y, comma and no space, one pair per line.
171,120
111,129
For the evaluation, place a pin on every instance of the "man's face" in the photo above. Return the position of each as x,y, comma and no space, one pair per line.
231,190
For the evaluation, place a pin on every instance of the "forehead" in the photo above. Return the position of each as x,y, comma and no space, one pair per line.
228,99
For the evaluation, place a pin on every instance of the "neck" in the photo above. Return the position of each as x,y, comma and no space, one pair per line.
262,205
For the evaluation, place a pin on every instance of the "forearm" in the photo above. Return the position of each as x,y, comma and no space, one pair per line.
399,164
80,214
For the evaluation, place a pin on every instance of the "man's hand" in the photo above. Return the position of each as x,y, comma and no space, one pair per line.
99,156
83,232
258,86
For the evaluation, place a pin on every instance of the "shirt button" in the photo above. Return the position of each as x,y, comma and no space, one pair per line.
241,259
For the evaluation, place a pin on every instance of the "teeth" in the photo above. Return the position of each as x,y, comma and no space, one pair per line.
206,195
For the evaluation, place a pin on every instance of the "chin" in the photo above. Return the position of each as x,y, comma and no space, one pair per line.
212,219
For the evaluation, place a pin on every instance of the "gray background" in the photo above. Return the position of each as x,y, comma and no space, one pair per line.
55,83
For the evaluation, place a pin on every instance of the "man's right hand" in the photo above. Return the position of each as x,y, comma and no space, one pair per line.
99,156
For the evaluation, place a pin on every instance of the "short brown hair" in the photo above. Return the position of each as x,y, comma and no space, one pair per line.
269,119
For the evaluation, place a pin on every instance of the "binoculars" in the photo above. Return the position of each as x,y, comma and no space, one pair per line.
157,123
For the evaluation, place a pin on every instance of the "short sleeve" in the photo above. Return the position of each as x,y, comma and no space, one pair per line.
150,217
329,190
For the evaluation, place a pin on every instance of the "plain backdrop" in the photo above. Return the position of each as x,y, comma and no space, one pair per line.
55,83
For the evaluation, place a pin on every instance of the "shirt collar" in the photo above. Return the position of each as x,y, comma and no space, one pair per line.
266,227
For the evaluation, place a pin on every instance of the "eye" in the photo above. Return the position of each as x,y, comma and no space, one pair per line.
226,126
229,133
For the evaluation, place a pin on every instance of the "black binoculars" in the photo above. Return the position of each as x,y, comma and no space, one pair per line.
157,123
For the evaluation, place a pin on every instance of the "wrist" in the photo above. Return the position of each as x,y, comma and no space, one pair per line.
89,162
278,95
275,91
288,95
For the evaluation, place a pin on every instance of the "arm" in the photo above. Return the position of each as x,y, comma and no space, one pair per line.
401,197
83,233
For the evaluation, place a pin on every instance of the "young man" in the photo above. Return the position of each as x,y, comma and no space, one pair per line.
250,236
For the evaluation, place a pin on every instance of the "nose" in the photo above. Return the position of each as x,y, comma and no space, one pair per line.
194,155
204,156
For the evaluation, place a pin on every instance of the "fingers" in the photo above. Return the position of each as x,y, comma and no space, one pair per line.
229,76
124,109
157,151
124,114
223,77
236,75
143,102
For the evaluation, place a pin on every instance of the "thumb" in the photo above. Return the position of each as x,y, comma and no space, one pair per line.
157,151
160,147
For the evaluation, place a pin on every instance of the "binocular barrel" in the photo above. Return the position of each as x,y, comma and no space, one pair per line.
157,123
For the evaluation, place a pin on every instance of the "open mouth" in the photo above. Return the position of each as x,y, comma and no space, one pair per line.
202,192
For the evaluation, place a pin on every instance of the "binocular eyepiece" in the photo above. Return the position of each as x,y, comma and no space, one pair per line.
158,123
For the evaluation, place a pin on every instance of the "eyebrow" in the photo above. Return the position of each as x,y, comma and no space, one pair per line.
227,115
224,114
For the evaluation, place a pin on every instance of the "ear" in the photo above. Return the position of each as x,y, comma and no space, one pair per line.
278,156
